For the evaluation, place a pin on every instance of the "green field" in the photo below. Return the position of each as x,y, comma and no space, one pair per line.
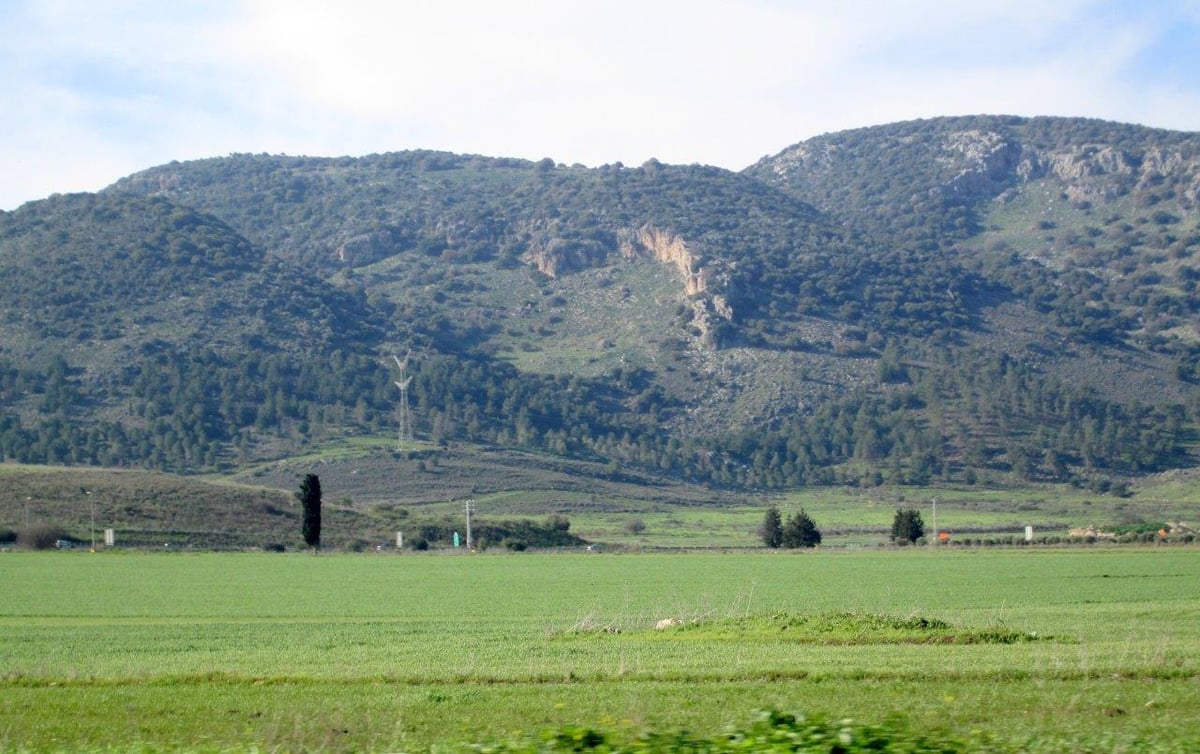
1047,650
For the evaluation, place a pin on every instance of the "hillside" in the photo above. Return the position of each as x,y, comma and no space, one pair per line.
137,331
155,510
91,273
971,299
1089,224
738,248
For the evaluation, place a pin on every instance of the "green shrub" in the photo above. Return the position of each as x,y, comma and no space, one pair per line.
41,536
801,531
907,525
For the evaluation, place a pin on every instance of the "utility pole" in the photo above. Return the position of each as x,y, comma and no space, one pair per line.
935,539
469,503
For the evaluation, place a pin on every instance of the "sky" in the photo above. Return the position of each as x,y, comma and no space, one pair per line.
93,90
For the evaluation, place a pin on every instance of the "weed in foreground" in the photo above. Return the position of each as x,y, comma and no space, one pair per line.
773,731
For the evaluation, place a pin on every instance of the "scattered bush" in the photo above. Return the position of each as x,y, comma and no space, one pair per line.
41,536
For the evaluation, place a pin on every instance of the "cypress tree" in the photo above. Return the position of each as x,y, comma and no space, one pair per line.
310,500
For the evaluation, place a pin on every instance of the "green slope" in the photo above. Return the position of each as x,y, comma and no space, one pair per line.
969,299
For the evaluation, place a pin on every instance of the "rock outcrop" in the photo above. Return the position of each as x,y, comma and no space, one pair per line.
670,249
985,163
555,257
366,248
702,278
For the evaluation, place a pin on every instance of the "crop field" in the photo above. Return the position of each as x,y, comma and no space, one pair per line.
1079,649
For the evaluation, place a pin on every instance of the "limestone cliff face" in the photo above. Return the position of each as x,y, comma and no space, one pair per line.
1093,173
554,257
701,277
1103,172
982,164
984,160
670,249
698,277
559,256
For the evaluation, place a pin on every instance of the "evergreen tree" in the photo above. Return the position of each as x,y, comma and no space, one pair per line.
771,531
907,525
801,531
310,500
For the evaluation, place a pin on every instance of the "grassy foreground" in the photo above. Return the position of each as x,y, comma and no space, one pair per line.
1052,650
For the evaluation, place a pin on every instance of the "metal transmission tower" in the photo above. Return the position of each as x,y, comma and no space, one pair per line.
405,420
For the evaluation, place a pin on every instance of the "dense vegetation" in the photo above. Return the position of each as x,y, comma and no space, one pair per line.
1107,251
206,315
197,411
778,258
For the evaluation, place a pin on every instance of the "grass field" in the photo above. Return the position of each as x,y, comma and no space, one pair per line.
1052,650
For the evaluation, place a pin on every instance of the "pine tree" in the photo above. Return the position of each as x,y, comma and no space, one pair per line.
801,531
310,500
771,531
907,525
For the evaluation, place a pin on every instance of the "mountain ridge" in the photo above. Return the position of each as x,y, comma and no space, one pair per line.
886,303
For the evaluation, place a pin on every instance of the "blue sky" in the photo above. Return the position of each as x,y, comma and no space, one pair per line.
91,90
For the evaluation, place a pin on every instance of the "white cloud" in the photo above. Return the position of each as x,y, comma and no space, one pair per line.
94,91
537,78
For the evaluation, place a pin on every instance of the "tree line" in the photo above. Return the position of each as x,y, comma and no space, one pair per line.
934,415
799,530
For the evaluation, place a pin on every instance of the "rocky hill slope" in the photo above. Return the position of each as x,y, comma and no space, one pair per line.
963,297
